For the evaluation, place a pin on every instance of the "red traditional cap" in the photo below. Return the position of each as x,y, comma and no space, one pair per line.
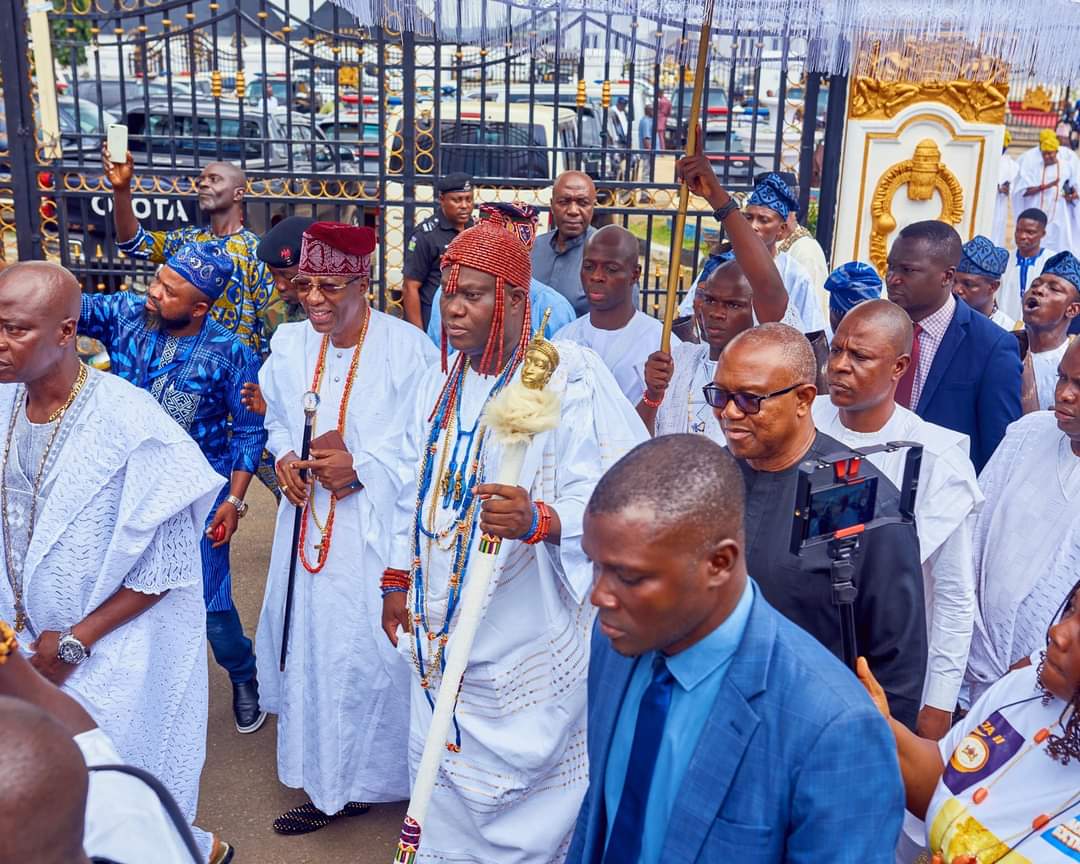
336,249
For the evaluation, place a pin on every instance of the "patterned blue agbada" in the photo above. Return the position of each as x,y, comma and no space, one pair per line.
197,380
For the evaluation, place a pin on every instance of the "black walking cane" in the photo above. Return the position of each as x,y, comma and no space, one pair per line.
311,405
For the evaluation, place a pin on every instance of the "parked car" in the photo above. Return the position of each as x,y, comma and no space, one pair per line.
536,143
359,131
118,96
599,157
296,94
168,147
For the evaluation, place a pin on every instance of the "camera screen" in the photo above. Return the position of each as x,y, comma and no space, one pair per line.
838,507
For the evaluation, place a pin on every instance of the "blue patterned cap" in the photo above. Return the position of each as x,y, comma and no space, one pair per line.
207,266
771,191
1065,265
980,257
852,284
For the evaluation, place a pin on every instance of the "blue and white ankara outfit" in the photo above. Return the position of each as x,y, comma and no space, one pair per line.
197,380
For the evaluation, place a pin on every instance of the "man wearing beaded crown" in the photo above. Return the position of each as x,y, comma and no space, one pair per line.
342,700
103,499
516,769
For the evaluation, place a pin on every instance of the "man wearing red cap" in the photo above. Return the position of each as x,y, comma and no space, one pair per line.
511,789
342,701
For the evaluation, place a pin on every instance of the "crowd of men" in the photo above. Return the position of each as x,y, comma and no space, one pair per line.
659,672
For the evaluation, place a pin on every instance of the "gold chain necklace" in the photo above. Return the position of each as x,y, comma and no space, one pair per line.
57,417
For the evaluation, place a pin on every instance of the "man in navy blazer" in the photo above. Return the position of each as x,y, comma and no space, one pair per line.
718,731
965,370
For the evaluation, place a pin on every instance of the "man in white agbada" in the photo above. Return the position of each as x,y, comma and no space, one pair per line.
797,242
513,776
867,359
1027,536
1025,263
343,700
1049,179
621,334
103,501
1050,305
1008,169
725,305
768,208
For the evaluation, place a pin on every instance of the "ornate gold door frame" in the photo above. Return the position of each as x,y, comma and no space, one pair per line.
923,173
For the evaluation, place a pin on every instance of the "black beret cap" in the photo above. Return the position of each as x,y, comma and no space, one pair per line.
280,246
457,182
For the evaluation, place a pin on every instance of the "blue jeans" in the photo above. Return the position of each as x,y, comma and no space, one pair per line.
232,649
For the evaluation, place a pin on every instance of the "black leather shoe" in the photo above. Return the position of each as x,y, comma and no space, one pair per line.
245,705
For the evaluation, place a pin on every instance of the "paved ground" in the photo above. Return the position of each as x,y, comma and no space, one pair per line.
241,794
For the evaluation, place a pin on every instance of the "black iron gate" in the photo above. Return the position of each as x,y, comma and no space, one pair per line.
353,124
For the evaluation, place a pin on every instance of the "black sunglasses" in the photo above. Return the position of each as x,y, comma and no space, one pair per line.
747,403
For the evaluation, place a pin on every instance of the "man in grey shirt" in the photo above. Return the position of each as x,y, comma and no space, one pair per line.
556,257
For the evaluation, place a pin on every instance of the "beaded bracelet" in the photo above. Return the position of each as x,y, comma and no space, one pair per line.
394,581
535,524
542,520
652,403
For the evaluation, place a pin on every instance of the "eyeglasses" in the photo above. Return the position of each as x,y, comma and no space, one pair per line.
747,403
304,284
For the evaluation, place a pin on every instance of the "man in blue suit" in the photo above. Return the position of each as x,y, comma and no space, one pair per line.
965,370
718,731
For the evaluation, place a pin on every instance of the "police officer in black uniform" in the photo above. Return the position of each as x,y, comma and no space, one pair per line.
429,241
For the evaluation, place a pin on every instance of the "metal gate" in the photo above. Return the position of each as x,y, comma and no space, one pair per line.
353,124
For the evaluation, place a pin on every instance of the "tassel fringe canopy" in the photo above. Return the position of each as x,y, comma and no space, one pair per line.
982,40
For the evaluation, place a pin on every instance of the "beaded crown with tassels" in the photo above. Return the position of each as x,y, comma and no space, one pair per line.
488,247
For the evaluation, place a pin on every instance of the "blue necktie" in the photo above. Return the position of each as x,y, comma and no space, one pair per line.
625,844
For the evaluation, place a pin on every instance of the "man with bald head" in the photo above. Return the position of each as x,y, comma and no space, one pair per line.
708,711
104,499
869,354
43,796
557,255
762,396
621,334
964,372
250,306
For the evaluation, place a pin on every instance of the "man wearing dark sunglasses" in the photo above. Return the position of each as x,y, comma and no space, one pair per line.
762,396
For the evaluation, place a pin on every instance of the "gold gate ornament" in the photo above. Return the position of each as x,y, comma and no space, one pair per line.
922,174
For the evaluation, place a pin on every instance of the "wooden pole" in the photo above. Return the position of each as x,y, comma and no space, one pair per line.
684,190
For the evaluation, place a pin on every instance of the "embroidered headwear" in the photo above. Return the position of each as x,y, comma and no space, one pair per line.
980,257
1065,265
1048,141
336,249
517,218
490,248
771,191
207,266
280,246
852,284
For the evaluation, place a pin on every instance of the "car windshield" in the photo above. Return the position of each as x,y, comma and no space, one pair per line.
504,151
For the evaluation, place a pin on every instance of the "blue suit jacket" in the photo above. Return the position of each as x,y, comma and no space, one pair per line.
974,382
795,764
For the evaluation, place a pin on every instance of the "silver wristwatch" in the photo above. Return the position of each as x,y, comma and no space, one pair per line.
238,503
70,650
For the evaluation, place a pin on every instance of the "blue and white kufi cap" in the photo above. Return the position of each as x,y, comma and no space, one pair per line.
207,266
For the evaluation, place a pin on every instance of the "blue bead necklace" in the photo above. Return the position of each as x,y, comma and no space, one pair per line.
458,494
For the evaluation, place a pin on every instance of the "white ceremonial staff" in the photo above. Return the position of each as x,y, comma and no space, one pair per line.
523,409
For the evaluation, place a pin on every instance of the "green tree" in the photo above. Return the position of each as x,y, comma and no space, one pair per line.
70,32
